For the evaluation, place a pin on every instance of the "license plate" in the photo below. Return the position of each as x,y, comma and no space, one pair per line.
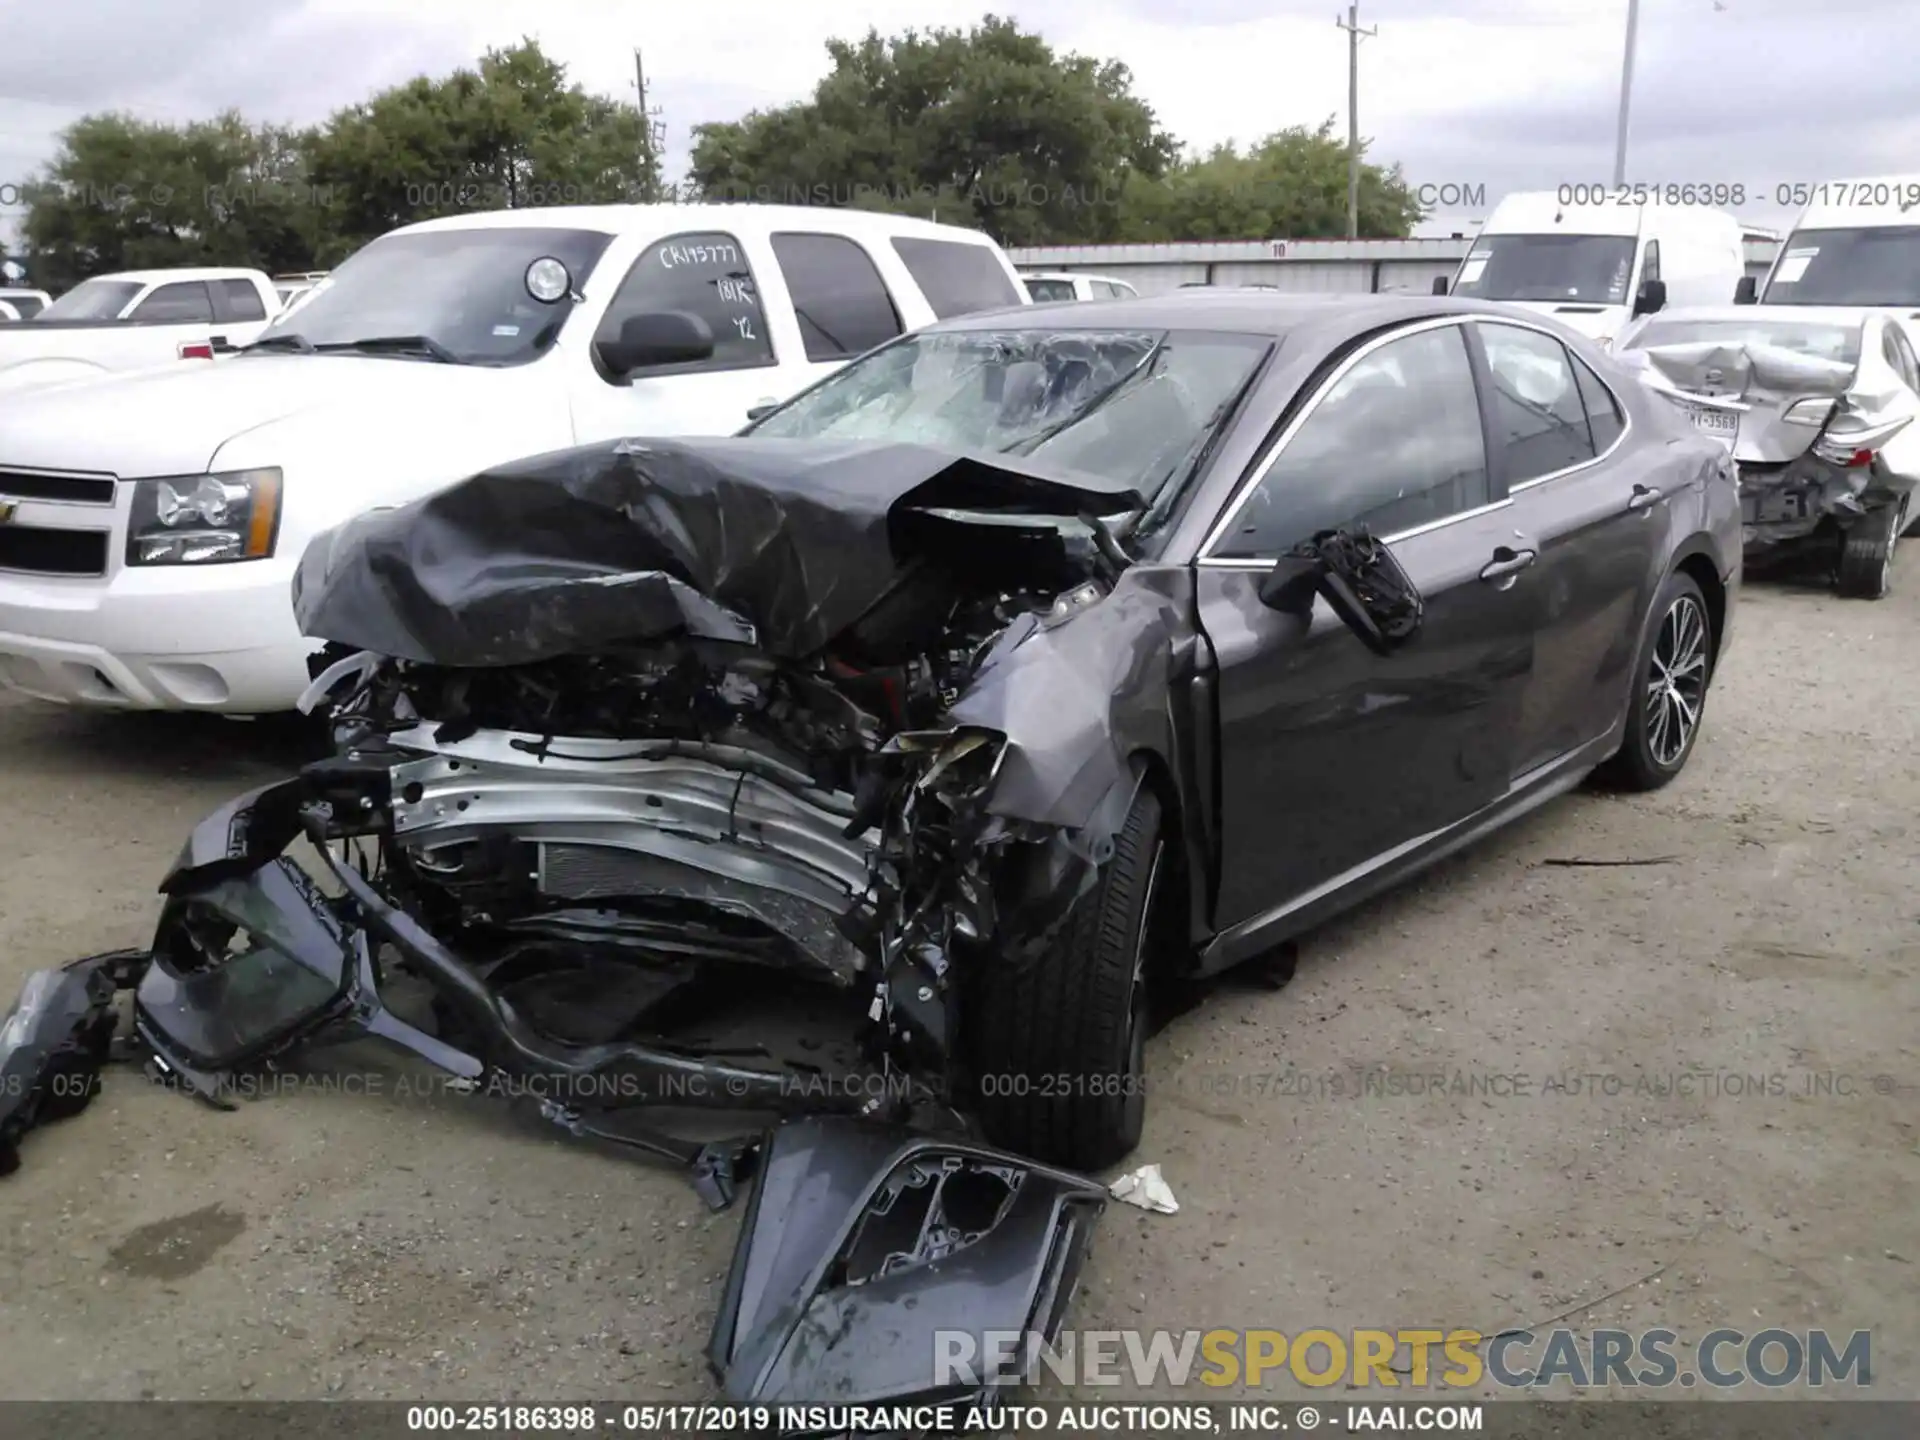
1720,424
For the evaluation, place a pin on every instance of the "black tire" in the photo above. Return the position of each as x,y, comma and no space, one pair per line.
1866,555
1679,625
1061,1043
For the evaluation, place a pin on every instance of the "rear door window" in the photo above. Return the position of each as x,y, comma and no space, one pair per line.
237,300
957,278
704,274
1605,419
838,296
182,302
1539,416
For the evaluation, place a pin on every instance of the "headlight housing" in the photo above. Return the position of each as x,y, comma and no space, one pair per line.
204,519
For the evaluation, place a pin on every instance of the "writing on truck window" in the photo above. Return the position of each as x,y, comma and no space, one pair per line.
674,256
704,275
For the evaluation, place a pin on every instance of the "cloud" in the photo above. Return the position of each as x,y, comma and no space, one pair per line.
1500,94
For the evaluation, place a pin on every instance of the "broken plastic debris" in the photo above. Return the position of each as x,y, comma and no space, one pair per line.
1146,1188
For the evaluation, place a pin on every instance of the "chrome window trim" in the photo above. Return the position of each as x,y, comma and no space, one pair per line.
1626,414
1252,482
1249,562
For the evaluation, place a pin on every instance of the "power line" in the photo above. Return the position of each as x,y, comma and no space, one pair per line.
1354,36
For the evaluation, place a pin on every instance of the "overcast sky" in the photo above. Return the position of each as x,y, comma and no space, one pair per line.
1505,94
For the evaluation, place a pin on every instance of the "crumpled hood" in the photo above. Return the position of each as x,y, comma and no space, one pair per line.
174,420
777,543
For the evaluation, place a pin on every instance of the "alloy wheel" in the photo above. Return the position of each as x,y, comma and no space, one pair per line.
1677,682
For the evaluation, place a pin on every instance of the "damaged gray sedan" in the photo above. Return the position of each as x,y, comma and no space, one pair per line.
1026,662
1817,407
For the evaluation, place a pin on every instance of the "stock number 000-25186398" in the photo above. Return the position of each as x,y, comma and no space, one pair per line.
583,1419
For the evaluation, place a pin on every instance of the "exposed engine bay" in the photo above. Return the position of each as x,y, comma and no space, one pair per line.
590,798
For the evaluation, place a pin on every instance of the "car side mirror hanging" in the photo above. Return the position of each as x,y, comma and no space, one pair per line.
1362,581
1291,585
1440,286
1746,291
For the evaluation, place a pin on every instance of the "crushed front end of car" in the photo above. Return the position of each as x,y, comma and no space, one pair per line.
641,751
1808,433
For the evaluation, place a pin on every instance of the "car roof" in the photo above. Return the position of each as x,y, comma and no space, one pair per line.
1262,312
738,219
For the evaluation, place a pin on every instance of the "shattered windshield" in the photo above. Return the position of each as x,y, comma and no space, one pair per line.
1824,342
1135,406
1878,265
1585,269
463,290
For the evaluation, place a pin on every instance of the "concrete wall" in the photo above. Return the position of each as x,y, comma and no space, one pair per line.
1317,266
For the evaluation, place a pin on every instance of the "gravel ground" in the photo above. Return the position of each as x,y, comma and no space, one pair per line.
381,1244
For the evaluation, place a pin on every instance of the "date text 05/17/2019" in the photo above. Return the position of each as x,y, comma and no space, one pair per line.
1788,194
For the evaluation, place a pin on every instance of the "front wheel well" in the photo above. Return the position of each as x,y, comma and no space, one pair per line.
1173,948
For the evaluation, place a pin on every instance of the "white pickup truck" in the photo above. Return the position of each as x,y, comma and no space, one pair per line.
150,525
23,304
136,320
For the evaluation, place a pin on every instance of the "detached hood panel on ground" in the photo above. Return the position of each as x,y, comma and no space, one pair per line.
779,543
174,420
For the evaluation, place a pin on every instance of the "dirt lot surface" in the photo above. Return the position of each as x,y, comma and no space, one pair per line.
326,1243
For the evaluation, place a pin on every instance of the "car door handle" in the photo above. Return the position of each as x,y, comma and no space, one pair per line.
1507,562
1644,497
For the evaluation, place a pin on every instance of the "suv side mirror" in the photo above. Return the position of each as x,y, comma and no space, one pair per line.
659,337
1441,285
1652,297
1747,291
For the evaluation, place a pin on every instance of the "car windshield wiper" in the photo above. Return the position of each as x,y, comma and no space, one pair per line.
287,341
423,345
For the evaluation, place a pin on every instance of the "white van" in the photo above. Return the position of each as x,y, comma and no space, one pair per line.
1594,267
152,523
1857,245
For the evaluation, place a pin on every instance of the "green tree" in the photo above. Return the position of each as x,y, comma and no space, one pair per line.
511,132
988,126
1291,185
123,193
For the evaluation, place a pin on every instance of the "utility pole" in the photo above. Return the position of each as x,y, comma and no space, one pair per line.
649,149
1354,36
1626,97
